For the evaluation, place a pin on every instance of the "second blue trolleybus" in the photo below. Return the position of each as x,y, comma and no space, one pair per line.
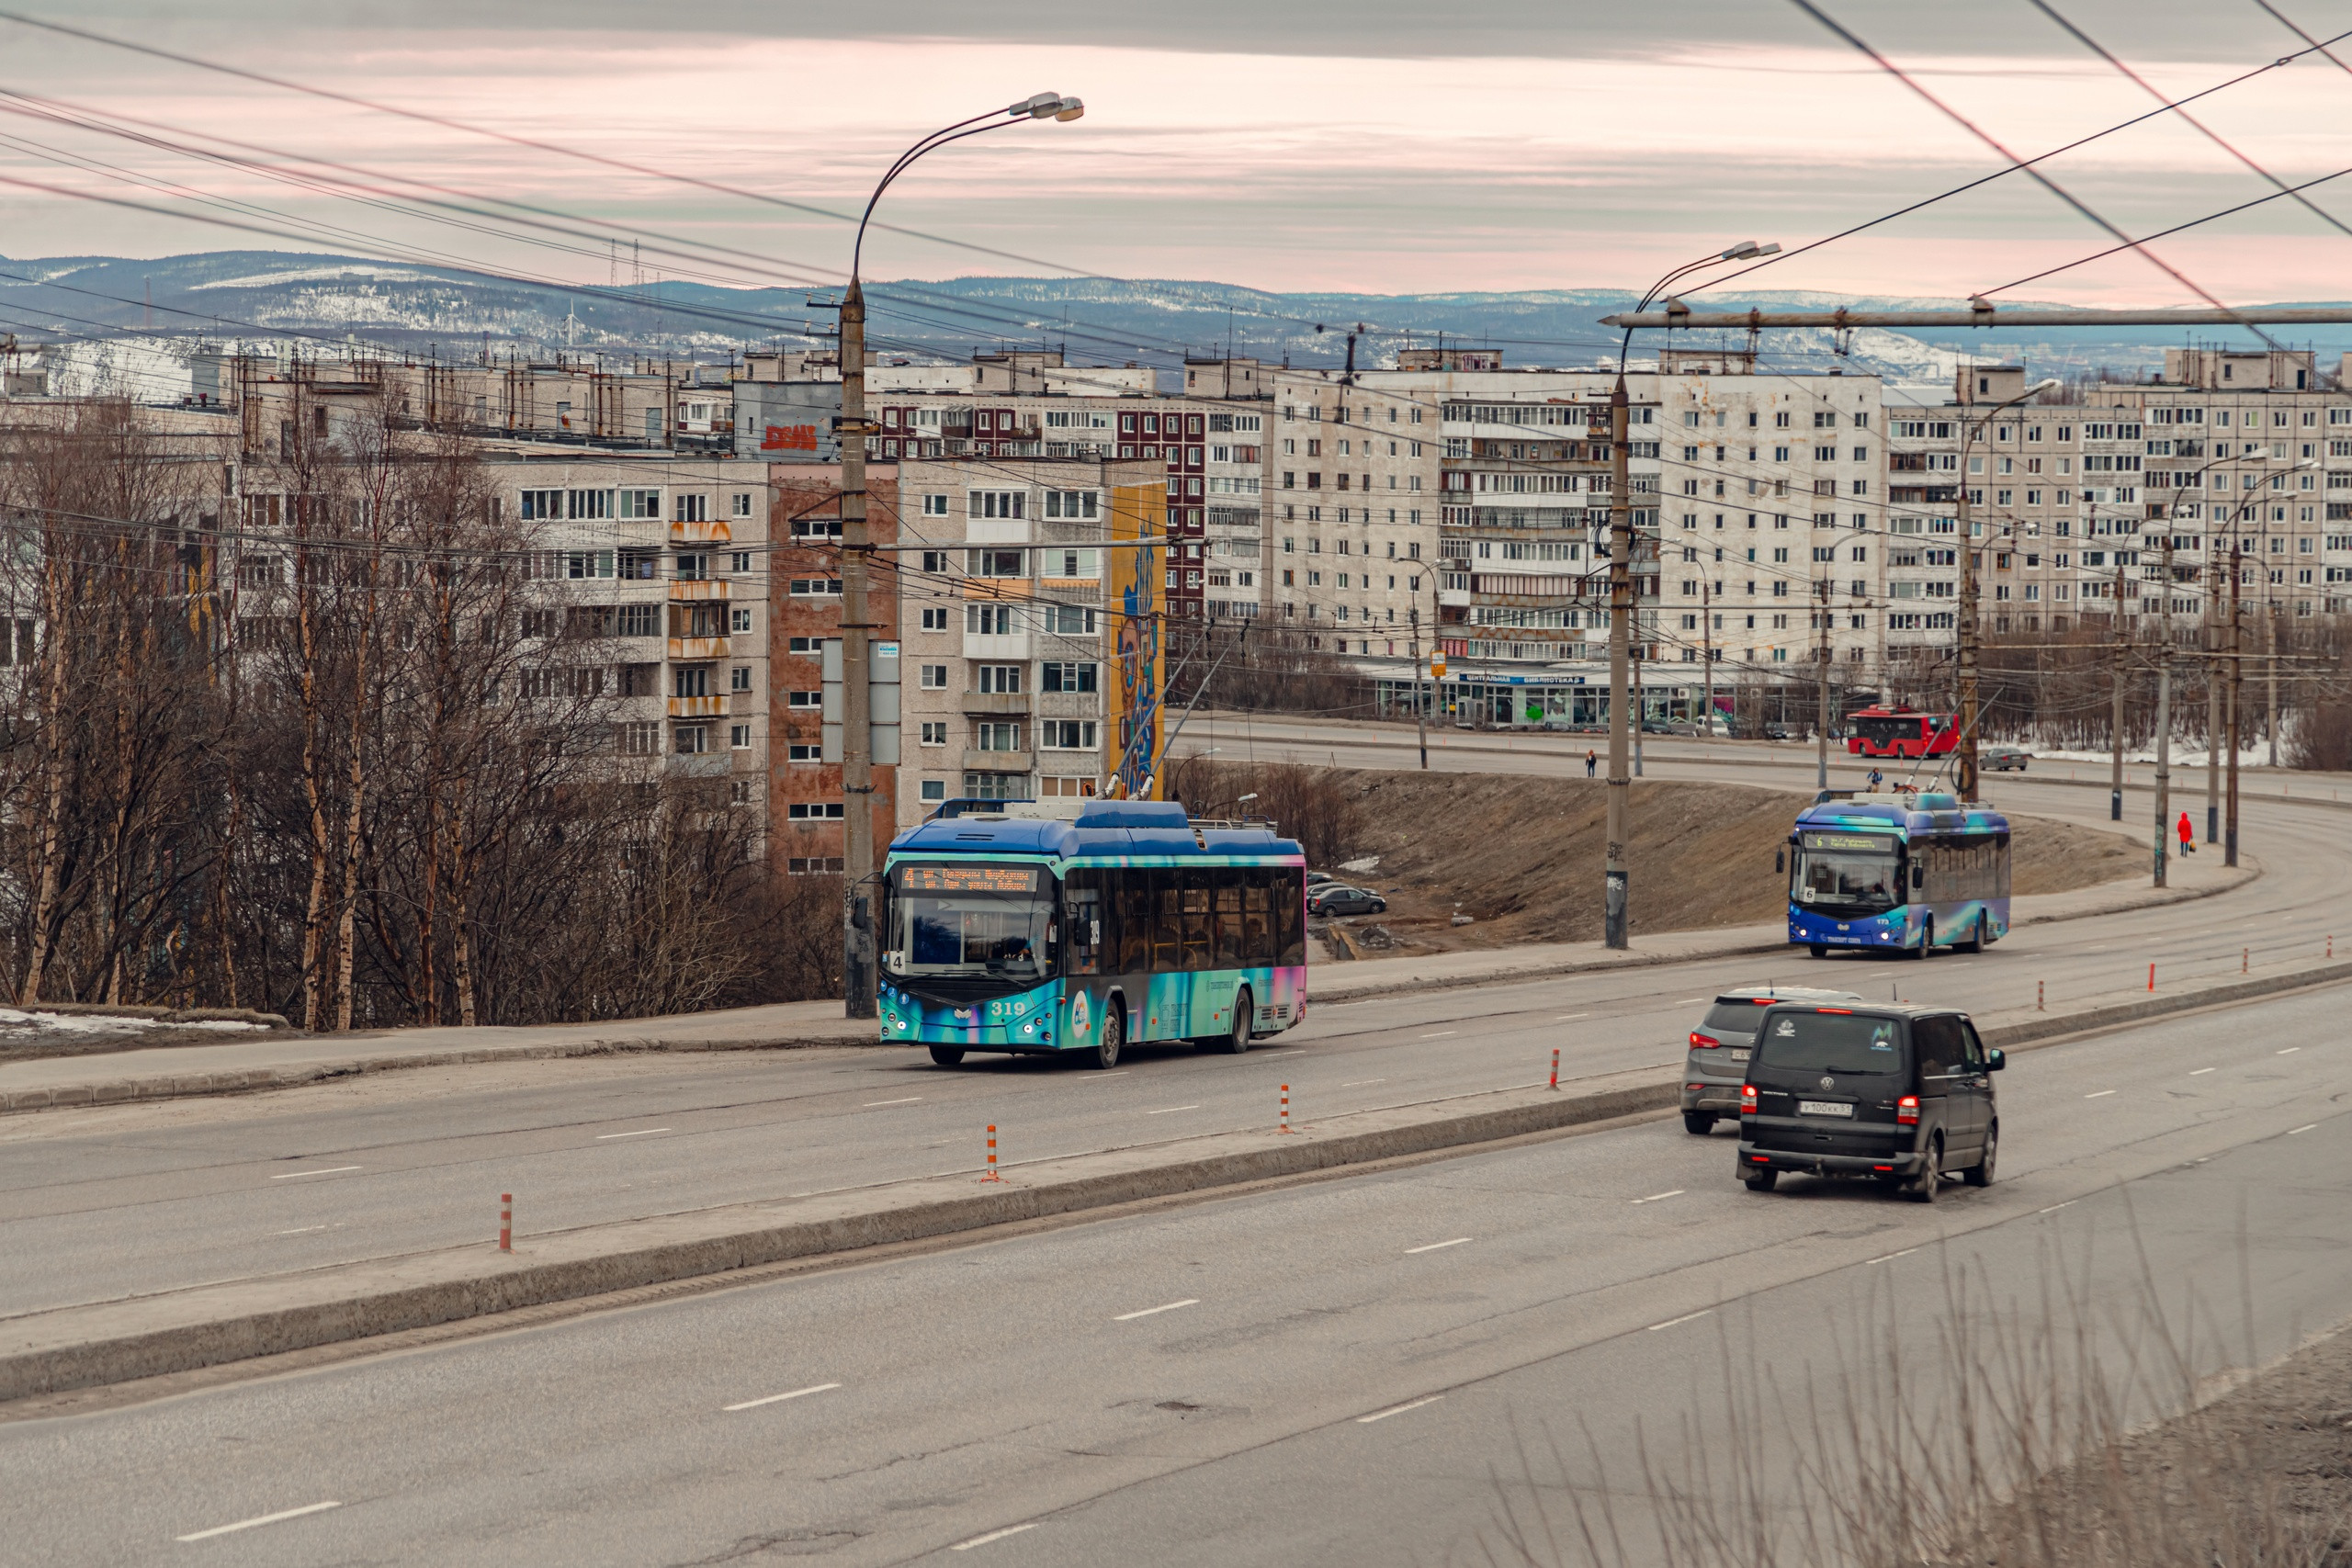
1903,875
1012,926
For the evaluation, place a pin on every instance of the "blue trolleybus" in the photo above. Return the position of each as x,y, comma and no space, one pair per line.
1901,875
1013,926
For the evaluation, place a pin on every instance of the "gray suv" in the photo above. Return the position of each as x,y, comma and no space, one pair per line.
1722,1044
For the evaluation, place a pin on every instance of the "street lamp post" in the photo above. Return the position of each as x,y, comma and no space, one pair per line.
1617,887
1964,772
858,735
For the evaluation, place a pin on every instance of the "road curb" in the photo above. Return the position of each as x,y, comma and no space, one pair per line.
482,1283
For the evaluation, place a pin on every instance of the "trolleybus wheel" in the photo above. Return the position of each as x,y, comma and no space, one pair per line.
1819,949
1237,1040
1108,1037
1926,940
946,1056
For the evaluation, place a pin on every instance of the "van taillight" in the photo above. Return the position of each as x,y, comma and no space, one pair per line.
1906,1110
1747,1098
1703,1041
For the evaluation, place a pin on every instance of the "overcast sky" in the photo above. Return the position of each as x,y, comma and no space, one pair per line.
1370,145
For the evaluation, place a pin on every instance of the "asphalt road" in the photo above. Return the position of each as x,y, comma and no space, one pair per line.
128,1201
1346,1373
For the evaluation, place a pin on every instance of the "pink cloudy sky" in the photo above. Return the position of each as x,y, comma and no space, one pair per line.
1370,146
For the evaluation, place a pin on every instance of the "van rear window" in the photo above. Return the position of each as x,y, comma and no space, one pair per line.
1740,1017
1831,1043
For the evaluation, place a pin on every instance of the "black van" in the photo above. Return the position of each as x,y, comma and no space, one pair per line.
1899,1091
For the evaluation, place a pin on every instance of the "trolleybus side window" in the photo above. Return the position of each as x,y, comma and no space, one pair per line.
1233,947
1082,933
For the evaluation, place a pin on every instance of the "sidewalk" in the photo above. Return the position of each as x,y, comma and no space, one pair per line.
242,1066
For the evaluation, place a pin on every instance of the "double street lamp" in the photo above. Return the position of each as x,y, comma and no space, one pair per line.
858,735
1617,889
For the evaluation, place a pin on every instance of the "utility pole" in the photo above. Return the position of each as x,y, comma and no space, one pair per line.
2115,715
1637,673
2213,688
1821,680
1707,649
2163,712
2230,803
2271,666
1420,703
858,695
1964,763
1617,890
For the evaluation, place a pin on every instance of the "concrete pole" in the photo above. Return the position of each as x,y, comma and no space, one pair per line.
1618,886
1821,698
1420,701
857,693
1707,649
2212,691
1965,762
2230,799
2115,715
2270,667
2164,717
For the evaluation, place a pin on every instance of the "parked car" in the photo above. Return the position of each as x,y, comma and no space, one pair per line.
1317,878
1338,898
2003,759
1896,1092
1717,1063
1718,727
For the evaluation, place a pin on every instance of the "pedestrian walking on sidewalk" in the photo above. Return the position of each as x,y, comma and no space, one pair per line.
2187,836
1876,778
1591,761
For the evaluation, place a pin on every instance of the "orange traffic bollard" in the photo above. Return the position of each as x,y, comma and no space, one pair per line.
1555,1067
991,1175
506,1222
1285,1126
2037,996
2151,976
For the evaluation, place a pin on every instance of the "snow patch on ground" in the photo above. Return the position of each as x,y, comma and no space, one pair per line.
36,1021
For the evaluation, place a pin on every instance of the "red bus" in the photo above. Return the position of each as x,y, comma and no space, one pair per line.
1900,732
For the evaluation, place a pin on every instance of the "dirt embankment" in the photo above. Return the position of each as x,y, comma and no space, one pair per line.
1521,856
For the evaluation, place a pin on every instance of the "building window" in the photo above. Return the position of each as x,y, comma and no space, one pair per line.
996,503
690,508
813,811
935,733
815,586
1066,675
810,700
934,789
934,678
693,739
802,751
740,678
934,506
999,678
1066,735
996,736
1070,503
738,737
996,786
639,739
738,621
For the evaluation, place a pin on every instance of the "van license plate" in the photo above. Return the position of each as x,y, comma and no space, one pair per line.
1741,1055
1823,1107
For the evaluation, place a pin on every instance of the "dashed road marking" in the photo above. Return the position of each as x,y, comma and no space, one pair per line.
2102,1094
778,1398
992,1535
330,1170
1442,1034
2304,1128
264,1520
1171,1110
1660,1197
1150,1312
1438,1246
1570,1017
2288,1051
1361,1083
872,1104
1396,1410
1905,1253
2055,1207
641,1132
2203,1071
1686,1317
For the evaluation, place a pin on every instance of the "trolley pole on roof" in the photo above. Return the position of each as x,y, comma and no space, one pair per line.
1617,890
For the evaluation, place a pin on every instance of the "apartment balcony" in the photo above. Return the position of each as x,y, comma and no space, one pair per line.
979,762
697,707
699,765
685,590
995,645
983,703
689,648
700,533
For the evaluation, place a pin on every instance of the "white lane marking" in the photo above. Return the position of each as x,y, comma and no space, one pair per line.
1905,1253
2055,1207
1437,1245
1300,1052
1660,1197
2288,1051
641,1132
2102,1094
1396,1410
2304,1128
1685,1001
1359,1083
872,1104
2201,1072
1147,1312
1098,1077
264,1520
1170,1110
301,1230
1686,1317
1442,1034
992,1535
330,1170
1570,1017
774,1398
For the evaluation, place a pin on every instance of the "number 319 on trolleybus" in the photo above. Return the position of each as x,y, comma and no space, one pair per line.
1079,928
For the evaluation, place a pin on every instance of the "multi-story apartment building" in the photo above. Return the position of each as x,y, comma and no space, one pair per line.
1029,405
1032,606
807,809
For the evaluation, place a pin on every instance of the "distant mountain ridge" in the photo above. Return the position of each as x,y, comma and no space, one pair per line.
266,297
